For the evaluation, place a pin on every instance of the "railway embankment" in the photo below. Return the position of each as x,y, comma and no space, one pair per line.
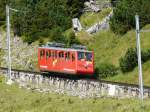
82,88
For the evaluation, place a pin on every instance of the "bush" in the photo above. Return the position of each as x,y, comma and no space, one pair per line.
106,70
130,60
56,35
71,39
145,55
41,42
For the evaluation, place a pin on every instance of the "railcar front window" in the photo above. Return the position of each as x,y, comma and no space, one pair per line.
80,55
88,56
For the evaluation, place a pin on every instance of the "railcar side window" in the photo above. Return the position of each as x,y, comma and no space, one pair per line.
61,54
53,55
80,55
88,56
67,55
47,54
42,53
73,57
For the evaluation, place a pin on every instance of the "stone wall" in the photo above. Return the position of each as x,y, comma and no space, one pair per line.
80,88
103,25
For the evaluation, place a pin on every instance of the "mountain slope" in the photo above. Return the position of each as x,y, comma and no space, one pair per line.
109,47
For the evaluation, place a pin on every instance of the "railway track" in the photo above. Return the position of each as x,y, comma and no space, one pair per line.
77,87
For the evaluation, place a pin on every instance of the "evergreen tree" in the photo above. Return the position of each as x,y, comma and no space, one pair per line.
124,15
2,12
40,18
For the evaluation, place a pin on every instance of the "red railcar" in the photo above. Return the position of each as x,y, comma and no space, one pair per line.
66,60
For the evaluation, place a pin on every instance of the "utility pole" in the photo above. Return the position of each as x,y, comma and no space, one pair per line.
139,56
8,45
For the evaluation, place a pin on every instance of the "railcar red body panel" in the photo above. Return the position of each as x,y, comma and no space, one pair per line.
65,60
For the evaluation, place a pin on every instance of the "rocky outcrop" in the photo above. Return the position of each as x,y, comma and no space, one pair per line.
23,56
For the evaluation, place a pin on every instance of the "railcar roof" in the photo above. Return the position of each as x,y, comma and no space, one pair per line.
64,49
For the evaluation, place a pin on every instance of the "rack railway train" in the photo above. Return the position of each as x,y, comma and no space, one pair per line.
77,60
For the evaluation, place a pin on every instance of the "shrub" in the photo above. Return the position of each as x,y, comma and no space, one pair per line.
71,39
130,60
145,55
106,70
56,35
41,41
28,39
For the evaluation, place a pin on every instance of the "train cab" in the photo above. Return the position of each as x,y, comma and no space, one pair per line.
85,62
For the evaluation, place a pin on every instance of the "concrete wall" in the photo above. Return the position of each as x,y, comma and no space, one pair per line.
80,88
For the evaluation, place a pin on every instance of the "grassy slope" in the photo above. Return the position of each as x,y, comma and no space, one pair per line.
132,77
109,47
87,18
13,99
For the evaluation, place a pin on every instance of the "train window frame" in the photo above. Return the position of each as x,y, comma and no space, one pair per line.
87,56
81,55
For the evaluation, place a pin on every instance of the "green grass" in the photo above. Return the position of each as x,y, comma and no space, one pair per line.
109,47
13,99
90,18
132,77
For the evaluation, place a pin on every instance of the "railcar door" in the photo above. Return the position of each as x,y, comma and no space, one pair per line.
53,61
69,63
